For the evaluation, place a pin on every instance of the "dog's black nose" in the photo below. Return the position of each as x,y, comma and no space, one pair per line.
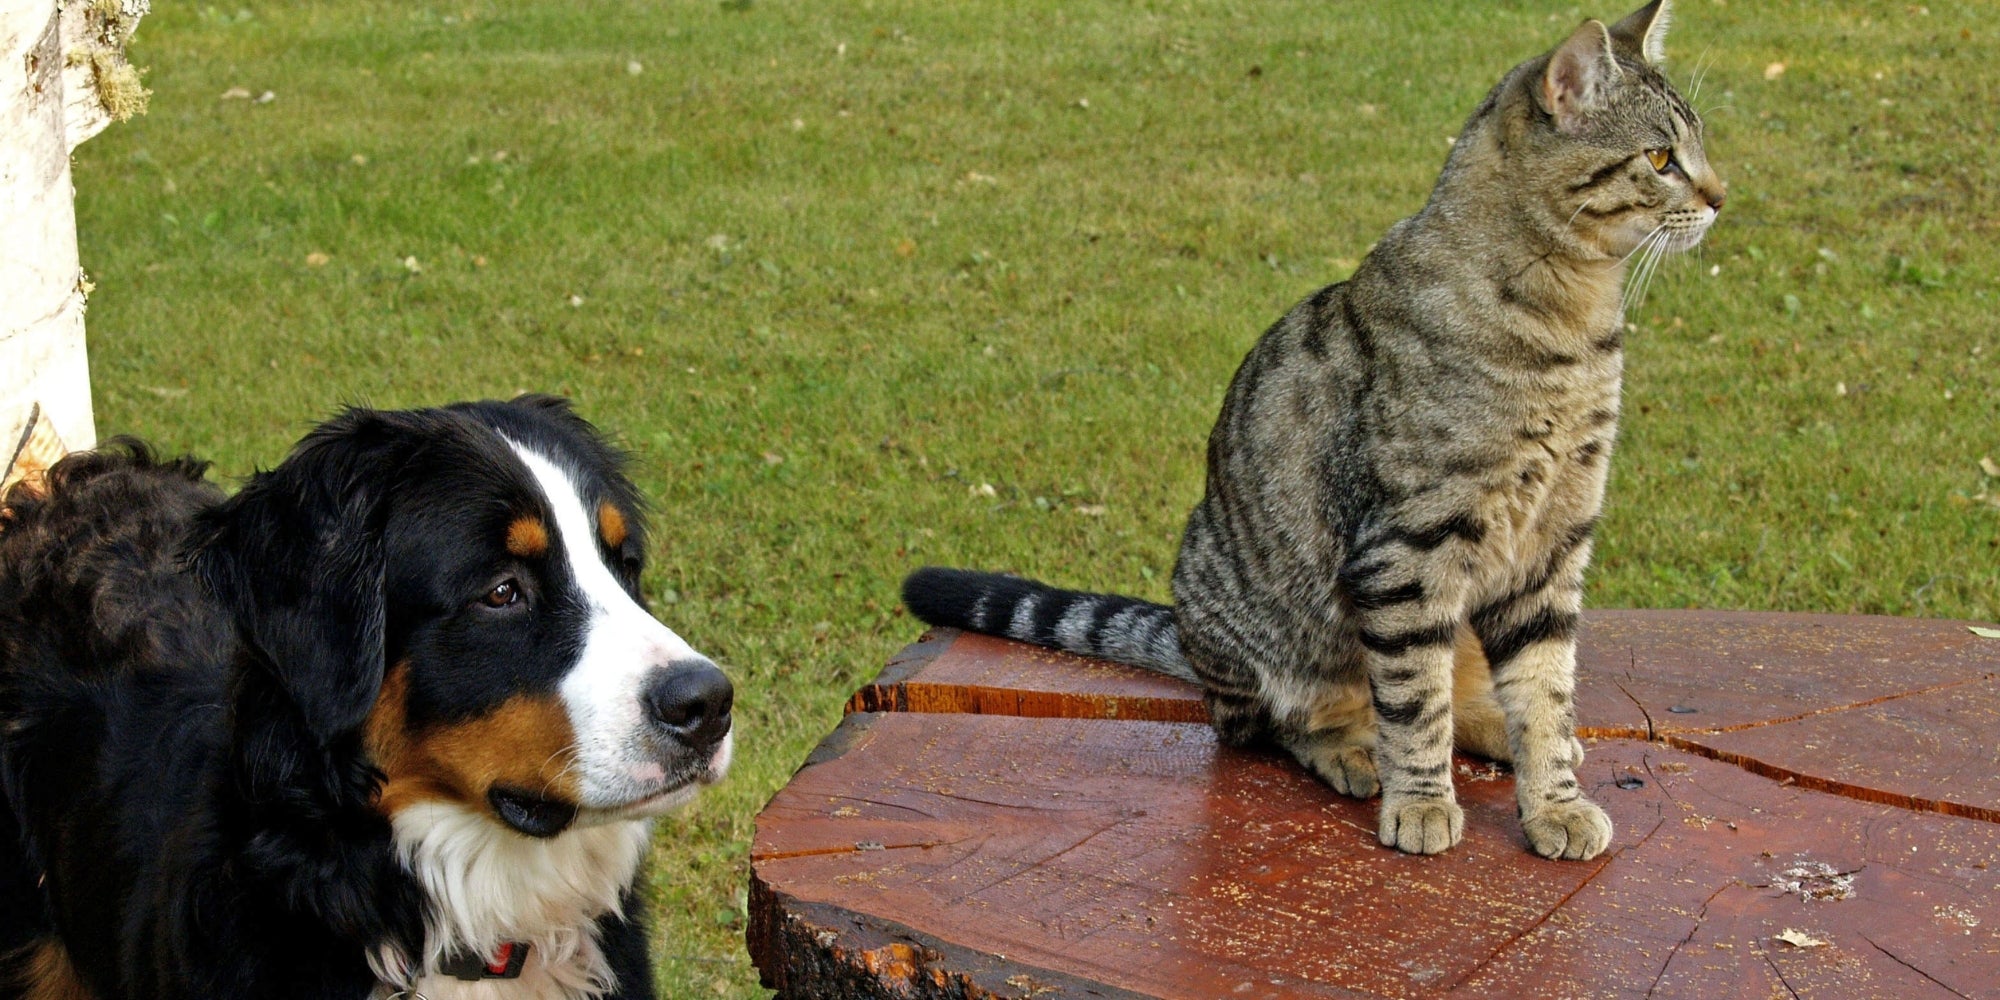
692,701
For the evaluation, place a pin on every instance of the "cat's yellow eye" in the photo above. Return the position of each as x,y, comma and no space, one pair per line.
1660,158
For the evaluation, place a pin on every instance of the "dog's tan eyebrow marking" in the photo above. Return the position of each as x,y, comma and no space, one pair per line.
527,537
611,525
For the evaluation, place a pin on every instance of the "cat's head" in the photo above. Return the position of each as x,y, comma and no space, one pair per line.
1610,149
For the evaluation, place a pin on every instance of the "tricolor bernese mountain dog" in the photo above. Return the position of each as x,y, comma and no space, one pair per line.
389,722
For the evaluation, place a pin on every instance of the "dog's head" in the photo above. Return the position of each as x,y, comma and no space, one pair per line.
458,588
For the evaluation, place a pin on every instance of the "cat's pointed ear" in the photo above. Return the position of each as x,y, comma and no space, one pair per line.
1580,71
1643,33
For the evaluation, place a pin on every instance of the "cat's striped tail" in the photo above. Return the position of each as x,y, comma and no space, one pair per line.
1107,626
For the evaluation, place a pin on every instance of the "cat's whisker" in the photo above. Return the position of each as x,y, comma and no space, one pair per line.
1667,249
1701,68
1572,216
1652,269
1659,255
1635,293
1651,249
1648,238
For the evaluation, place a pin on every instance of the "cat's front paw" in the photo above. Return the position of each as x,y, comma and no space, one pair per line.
1573,831
1421,826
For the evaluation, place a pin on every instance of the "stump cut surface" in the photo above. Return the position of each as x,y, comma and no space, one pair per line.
1812,822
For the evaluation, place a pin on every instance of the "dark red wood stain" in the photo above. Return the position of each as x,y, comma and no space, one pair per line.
1061,842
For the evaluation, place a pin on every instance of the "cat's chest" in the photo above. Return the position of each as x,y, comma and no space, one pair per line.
1554,480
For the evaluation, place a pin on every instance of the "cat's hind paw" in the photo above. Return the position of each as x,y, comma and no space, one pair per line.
1421,826
1572,831
1349,767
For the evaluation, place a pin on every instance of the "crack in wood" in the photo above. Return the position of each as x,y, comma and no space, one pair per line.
1815,783
1899,961
1647,763
1651,730
1010,876
1834,709
1780,973
858,847
1603,864
1690,742
1700,916
1029,806
1651,733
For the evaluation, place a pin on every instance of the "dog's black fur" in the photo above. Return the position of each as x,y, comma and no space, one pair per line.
189,811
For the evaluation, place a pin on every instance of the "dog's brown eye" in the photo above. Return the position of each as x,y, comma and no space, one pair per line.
502,595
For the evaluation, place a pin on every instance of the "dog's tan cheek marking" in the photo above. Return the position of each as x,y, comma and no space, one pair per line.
525,743
46,973
611,525
407,777
528,537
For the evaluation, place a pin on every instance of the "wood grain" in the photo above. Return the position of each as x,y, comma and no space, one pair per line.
1806,805
1141,858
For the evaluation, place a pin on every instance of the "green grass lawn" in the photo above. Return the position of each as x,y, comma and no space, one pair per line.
868,285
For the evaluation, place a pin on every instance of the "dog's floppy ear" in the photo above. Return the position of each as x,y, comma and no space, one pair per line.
296,556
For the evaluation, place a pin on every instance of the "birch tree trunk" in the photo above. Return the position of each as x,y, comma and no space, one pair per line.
63,78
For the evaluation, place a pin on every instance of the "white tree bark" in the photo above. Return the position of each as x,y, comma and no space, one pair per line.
63,78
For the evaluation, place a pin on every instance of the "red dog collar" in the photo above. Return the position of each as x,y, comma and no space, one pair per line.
505,963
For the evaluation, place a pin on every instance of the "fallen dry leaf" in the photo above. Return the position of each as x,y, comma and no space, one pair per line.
236,94
316,259
907,248
1984,633
1774,71
1988,466
1800,939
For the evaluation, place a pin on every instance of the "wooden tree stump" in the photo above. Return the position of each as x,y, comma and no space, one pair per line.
1805,805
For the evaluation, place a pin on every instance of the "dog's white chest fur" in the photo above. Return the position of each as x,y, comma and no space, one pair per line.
487,885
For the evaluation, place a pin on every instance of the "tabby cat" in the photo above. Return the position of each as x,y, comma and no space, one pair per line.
1408,467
